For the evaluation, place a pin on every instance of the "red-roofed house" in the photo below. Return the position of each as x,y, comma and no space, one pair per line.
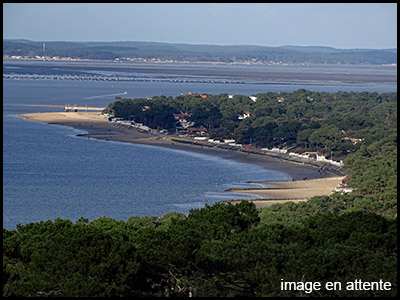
196,130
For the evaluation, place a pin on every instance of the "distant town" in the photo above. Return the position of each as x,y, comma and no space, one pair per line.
143,60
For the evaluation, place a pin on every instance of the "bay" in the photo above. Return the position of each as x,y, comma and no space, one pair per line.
48,172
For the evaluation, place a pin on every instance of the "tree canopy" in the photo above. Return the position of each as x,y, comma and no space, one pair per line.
219,250
335,124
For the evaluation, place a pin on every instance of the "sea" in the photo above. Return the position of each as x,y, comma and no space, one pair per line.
49,172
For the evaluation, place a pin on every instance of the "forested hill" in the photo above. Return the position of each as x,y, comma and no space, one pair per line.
134,50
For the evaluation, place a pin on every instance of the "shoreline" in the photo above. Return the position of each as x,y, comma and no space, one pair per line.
97,126
284,191
143,61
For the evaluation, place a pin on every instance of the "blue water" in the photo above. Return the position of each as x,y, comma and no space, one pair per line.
48,172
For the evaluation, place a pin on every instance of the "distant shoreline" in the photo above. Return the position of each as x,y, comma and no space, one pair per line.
97,126
144,61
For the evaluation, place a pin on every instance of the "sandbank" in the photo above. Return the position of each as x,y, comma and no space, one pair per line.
296,191
97,126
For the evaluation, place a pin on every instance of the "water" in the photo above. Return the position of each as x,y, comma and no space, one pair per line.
48,172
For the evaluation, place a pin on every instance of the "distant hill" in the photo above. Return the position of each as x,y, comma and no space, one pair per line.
198,53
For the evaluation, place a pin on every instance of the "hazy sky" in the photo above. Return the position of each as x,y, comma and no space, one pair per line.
339,25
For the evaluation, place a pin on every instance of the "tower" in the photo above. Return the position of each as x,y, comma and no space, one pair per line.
44,47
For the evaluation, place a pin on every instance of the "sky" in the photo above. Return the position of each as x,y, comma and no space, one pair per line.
338,25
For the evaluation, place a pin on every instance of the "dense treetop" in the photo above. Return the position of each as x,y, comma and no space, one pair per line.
222,250
313,121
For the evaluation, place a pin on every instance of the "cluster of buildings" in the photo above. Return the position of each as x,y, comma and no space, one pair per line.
318,156
131,124
184,126
224,142
41,57
240,62
186,129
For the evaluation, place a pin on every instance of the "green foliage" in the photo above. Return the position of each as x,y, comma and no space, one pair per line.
328,136
220,250
63,259
313,121
374,167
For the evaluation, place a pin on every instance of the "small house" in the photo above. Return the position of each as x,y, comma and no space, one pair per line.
244,115
196,130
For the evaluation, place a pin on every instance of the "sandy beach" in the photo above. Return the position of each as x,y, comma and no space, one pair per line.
296,191
97,126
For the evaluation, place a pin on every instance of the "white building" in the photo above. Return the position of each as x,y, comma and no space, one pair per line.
254,98
227,141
